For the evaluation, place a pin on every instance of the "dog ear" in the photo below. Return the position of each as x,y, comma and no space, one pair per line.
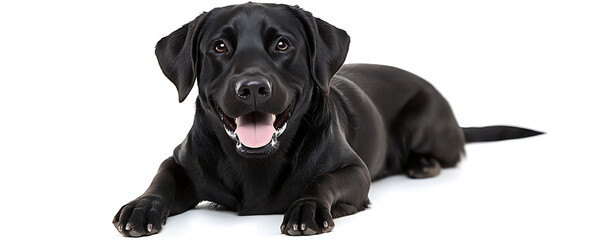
177,56
327,48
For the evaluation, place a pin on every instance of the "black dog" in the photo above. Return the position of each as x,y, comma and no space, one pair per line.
282,127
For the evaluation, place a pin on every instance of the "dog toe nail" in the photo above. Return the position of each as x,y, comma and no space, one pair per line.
294,227
303,226
325,224
128,227
150,227
120,228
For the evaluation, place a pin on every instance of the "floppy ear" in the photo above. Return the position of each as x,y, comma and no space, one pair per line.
327,48
177,56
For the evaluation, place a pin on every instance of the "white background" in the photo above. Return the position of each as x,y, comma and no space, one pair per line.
87,117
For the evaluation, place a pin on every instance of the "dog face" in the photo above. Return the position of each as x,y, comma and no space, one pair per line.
258,67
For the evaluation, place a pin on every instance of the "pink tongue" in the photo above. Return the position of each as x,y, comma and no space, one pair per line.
255,129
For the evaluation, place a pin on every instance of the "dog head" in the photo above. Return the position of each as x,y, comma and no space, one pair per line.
256,66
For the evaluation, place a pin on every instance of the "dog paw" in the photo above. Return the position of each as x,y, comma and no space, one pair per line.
423,168
307,217
141,217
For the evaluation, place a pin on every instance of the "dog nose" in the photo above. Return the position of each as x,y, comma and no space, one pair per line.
253,87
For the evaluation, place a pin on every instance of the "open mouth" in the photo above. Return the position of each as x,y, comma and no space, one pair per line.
256,132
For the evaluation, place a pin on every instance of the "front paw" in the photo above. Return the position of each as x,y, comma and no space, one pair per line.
307,217
141,217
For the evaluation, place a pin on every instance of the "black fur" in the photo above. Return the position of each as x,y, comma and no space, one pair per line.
496,133
343,126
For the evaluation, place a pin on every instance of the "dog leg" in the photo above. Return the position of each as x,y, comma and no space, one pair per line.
328,196
423,167
169,194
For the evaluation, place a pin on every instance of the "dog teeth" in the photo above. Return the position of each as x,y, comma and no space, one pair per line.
237,121
280,130
231,134
273,118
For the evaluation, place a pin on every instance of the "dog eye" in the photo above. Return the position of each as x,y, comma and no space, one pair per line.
220,47
282,44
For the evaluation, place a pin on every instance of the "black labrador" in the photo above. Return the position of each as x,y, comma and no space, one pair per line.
282,127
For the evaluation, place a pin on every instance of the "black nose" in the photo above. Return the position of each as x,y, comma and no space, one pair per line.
253,88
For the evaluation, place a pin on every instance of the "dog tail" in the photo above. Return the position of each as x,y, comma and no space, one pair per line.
496,133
